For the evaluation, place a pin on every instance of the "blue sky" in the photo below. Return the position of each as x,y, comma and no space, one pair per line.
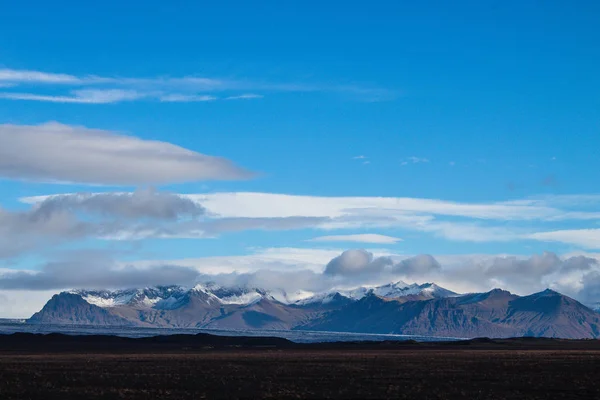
479,104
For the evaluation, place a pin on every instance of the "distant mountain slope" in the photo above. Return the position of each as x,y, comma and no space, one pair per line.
552,314
393,290
72,309
493,314
426,310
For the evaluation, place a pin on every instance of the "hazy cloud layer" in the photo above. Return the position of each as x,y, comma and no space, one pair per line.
68,219
83,269
288,269
24,231
23,303
122,216
577,276
55,152
528,219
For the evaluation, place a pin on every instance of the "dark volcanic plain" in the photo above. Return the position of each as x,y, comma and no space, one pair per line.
204,366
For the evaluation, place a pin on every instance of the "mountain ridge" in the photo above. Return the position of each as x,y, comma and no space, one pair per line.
412,309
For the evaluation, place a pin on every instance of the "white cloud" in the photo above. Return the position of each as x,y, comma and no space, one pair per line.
87,96
23,231
123,216
356,262
62,153
62,219
201,229
24,76
586,238
274,259
358,238
414,160
178,98
469,231
473,222
419,265
254,204
246,96
167,89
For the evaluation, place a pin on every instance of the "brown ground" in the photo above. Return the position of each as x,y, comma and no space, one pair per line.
399,373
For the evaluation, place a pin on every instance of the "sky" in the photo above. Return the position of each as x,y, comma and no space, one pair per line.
148,143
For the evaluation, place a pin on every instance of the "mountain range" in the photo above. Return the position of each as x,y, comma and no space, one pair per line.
399,308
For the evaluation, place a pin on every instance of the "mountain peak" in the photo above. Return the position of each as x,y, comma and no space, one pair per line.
499,291
547,292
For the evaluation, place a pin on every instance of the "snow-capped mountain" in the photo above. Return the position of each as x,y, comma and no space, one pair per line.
395,290
165,297
416,309
153,297
211,305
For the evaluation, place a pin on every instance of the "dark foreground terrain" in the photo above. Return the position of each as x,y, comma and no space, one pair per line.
186,367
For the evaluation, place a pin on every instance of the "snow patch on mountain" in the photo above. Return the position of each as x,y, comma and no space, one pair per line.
246,298
169,297
284,297
105,299
393,290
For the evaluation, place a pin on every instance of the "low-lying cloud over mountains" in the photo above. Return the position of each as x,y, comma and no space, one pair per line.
576,276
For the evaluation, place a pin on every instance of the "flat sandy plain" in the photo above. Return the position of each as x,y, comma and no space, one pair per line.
508,369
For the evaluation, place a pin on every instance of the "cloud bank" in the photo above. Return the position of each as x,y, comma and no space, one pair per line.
305,269
524,220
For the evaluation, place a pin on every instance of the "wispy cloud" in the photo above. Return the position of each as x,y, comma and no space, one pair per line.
363,159
93,89
24,76
414,160
178,98
245,97
87,96
586,238
358,238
